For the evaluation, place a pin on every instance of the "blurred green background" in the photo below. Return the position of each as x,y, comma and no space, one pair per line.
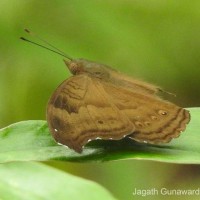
153,40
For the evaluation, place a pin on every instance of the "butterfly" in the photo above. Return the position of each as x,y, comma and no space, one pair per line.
99,102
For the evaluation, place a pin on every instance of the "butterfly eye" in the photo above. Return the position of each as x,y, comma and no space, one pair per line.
74,68
73,65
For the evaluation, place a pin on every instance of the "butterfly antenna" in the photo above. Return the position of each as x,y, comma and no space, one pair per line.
24,39
44,41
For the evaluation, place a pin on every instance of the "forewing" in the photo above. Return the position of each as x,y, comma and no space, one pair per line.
80,111
155,120
124,81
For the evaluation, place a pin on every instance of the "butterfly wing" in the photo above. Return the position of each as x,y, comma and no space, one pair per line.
155,120
80,111
122,80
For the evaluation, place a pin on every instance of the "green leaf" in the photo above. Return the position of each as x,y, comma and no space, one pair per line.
31,141
22,181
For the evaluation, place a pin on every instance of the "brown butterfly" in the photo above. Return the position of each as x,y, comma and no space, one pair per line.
98,102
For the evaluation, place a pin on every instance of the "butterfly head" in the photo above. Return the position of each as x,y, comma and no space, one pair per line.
79,66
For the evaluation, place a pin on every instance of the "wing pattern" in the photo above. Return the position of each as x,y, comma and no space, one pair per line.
85,108
80,111
155,120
